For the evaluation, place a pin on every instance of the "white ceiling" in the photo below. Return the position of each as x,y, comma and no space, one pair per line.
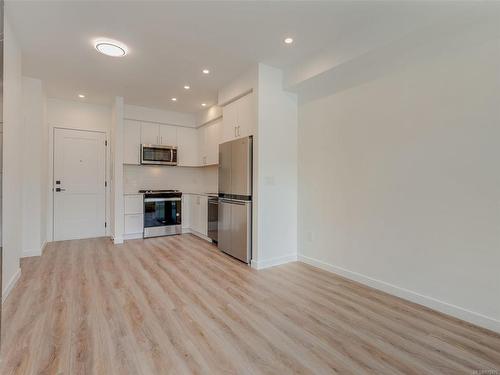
171,42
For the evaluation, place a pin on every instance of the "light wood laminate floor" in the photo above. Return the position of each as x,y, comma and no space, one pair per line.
176,305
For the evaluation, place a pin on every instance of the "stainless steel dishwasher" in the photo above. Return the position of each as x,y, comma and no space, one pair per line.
213,218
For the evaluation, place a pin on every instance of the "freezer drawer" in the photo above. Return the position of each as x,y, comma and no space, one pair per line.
235,229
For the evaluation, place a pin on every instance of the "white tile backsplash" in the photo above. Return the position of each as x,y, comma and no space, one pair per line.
186,179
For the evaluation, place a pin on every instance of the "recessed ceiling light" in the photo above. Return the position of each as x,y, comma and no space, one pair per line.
187,87
111,48
174,99
81,96
206,71
203,104
288,40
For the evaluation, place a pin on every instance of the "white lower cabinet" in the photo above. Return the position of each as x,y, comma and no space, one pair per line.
195,214
134,216
134,224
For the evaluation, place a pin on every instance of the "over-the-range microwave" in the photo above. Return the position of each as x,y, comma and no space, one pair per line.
158,155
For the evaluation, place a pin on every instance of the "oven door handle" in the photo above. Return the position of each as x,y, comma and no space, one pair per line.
147,200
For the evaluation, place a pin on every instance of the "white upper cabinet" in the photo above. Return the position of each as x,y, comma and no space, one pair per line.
239,118
229,121
168,135
213,139
187,144
150,133
195,147
246,116
209,137
131,142
156,134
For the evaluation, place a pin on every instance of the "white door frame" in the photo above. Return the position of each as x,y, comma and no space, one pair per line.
51,188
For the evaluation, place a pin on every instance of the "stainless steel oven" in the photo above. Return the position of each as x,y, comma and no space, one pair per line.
158,155
162,213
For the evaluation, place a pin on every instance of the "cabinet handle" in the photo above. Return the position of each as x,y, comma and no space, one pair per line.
235,131
239,131
161,139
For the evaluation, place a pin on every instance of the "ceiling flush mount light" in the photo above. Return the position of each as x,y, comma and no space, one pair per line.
81,96
203,104
174,99
111,48
206,71
288,40
187,87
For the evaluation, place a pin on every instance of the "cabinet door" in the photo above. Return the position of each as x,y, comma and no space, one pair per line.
202,143
168,135
134,224
195,213
203,212
187,143
212,142
246,116
131,142
133,204
150,133
186,211
229,119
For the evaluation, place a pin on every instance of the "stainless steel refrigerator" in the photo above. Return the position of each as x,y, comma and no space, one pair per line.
235,198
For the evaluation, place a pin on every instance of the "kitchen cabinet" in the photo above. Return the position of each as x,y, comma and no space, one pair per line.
238,118
229,121
187,144
186,211
196,209
156,134
150,133
133,208
168,135
134,225
246,116
209,137
131,142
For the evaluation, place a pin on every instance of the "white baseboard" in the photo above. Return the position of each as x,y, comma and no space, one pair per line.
117,240
133,236
433,303
266,263
34,252
197,234
11,284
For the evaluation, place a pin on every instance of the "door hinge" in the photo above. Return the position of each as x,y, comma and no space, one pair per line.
106,183
105,143
105,225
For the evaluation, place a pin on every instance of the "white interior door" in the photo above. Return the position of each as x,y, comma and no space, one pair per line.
79,184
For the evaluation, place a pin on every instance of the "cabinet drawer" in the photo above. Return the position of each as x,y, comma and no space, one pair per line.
134,224
133,204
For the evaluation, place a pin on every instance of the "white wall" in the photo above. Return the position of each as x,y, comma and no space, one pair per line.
12,163
185,179
78,115
399,182
276,158
208,115
81,116
35,168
